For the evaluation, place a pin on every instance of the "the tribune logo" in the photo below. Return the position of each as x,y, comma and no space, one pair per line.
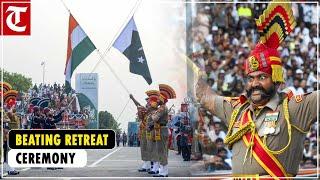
15,17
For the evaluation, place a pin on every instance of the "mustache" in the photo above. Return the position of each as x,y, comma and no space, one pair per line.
264,92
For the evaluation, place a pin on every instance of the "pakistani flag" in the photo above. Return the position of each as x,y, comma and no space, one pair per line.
130,45
79,48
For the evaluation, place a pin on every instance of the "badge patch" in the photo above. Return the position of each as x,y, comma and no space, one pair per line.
298,98
253,63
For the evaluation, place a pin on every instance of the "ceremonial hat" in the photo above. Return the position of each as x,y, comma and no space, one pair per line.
10,97
43,103
153,96
34,101
276,22
166,92
6,86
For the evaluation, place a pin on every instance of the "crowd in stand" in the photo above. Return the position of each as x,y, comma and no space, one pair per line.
59,99
221,37
62,112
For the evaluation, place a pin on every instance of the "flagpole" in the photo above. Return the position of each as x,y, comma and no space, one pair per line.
118,32
113,72
102,55
110,44
123,110
123,25
65,6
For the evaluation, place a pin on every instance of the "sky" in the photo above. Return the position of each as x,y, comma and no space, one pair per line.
157,23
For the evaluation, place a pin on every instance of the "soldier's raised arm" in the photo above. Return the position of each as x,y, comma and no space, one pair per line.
220,106
134,100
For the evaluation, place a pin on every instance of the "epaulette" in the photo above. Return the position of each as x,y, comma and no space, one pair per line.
234,101
299,98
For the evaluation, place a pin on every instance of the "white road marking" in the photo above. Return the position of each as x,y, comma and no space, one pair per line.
25,169
101,159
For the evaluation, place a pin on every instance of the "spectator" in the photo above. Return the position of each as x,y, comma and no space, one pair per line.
124,139
223,153
118,138
296,89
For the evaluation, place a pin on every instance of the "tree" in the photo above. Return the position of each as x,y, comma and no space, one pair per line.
18,81
107,121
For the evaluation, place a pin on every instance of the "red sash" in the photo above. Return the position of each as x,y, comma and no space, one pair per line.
266,160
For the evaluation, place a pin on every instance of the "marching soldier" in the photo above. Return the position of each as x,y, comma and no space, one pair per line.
160,119
8,124
142,112
266,129
151,144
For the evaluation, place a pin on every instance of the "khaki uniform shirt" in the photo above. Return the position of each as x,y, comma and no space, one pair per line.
14,122
302,111
142,121
150,122
161,117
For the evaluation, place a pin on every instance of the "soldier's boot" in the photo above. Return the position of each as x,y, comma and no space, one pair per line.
155,169
151,166
160,171
163,172
148,165
144,167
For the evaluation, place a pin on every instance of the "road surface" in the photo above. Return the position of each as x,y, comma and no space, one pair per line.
117,162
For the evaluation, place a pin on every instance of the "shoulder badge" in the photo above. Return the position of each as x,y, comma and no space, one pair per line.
298,98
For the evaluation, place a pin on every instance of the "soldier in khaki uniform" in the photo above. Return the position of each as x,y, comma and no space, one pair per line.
160,119
14,122
10,121
142,114
266,129
153,156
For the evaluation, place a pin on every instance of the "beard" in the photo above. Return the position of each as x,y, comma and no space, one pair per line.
260,94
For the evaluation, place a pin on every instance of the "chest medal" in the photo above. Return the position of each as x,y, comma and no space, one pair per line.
270,123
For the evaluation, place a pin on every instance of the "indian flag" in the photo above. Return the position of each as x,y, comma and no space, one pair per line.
79,48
